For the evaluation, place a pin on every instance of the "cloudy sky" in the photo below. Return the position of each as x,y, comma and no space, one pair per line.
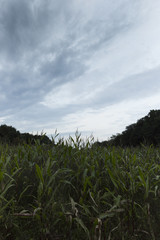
91,65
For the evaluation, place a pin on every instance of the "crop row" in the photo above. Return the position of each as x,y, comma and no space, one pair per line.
74,190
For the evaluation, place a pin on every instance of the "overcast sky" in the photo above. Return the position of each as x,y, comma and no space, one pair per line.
91,65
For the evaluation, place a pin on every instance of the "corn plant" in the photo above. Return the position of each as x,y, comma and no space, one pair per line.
75,189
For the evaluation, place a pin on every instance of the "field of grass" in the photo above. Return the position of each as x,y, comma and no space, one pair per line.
76,191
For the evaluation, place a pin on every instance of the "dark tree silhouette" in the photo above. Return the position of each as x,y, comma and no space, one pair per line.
10,135
146,131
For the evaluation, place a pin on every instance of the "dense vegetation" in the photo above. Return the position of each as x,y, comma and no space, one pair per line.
146,131
10,135
79,191
76,190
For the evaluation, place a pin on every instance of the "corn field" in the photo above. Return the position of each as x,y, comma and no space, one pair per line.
76,190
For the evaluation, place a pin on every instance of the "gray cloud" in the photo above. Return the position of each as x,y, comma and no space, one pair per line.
26,28
46,44
17,28
64,67
136,86
25,25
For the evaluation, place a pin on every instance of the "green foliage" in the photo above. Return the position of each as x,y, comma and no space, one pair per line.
79,190
145,131
10,135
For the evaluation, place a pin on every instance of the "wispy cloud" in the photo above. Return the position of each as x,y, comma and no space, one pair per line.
63,64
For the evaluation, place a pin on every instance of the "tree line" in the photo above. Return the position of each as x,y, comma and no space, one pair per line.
10,135
145,131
